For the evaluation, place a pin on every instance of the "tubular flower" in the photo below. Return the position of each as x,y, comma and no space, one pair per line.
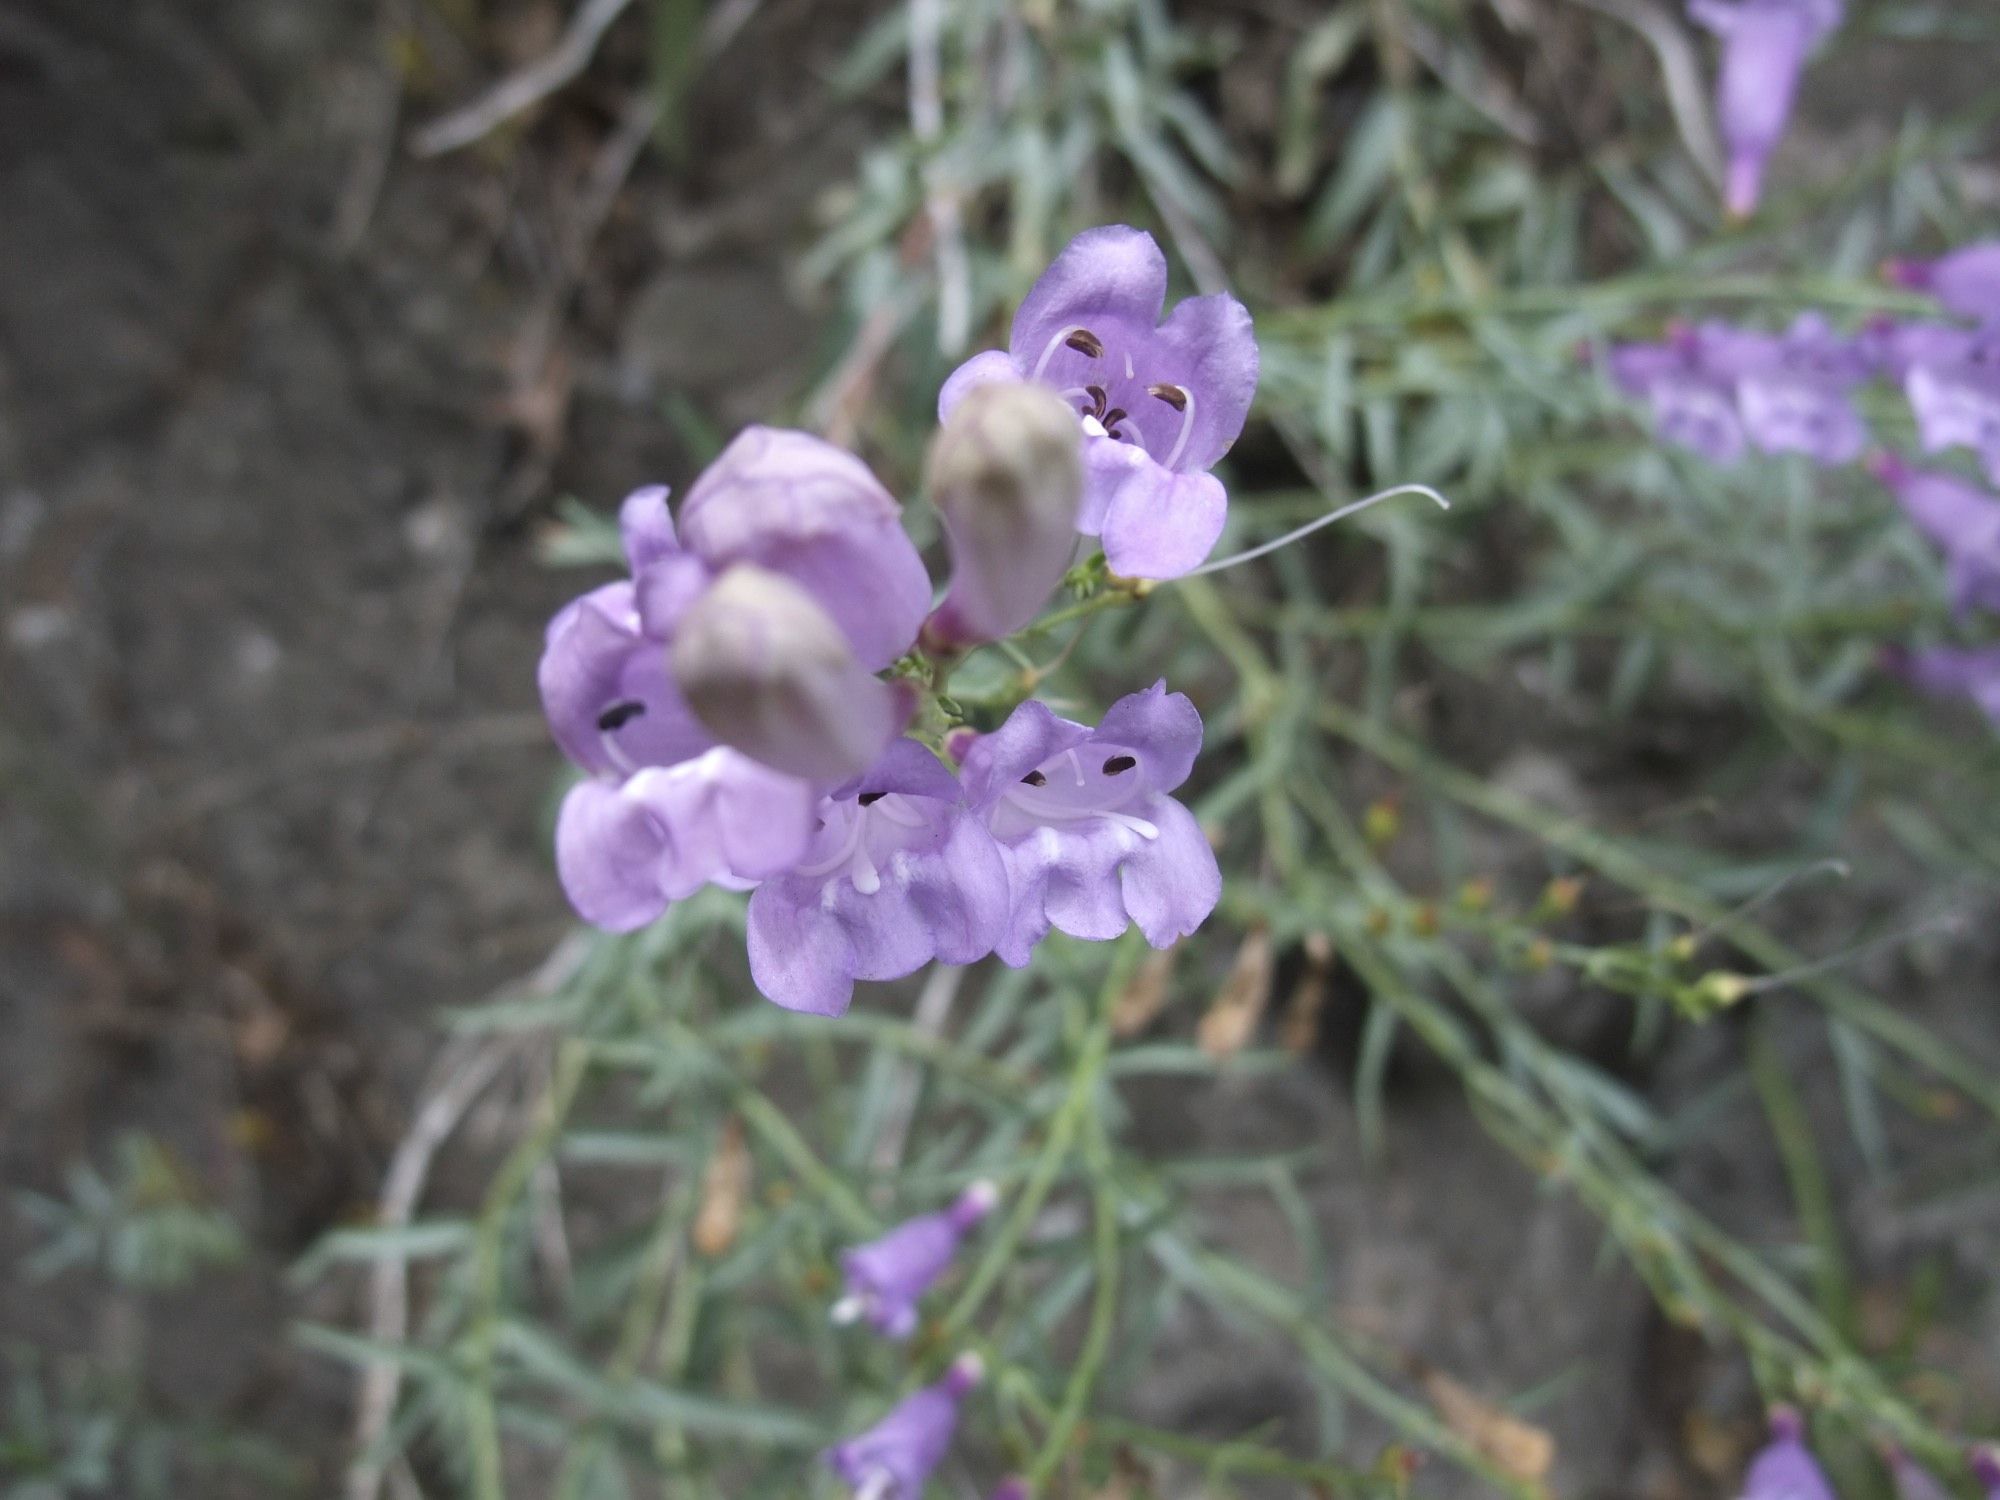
1795,391
1689,383
893,1459
887,1277
1960,518
1966,282
1090,840
1160,402
898,874
1785,1469
1006,474
769,672
1765,44
798,506
1948,672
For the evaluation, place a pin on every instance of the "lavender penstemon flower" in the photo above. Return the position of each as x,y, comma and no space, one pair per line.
1785,1469
1091,841
1960,518
1689,383
893,1459
899,874
1006,474
1160,402
886,1277
1765,44
1966,282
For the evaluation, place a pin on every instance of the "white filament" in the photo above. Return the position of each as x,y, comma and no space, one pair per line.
1297,533
1055,343
1187,427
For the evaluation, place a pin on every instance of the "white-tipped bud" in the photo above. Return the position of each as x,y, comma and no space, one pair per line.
1006,473
768,672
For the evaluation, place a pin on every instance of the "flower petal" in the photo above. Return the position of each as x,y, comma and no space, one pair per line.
610,702
647,526
1163,729
1209,347
989,368
1171,884
1032,734
609,849
1110,275
1159,524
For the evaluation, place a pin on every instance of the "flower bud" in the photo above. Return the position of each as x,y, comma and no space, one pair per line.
768,671
1006,473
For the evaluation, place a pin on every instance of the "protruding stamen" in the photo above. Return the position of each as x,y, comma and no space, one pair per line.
1098,401
1091,346
1181,399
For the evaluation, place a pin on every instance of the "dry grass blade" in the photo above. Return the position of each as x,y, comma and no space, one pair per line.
725,1189
1239,1005
1519,1448
1141,1001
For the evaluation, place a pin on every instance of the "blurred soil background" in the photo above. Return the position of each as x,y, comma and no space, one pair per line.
281,409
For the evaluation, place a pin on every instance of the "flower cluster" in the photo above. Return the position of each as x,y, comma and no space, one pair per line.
1784,1469
1720,390
1765,45
728,703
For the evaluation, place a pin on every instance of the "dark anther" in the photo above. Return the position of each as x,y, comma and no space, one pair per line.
1173,395
1113,417
869,799
1118,765
1035,778
618,716
1083,341
1097,400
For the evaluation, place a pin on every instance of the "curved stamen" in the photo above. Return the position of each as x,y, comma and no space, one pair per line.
1181,399
1310,527
1074,336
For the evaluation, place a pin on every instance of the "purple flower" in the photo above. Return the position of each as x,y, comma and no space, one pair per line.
1160,402
1091,841
1986,1470
610,702
1785,1470
1007,477
887,1276
893,1459
1948,672
1962,519
625,850
1967,281
769,672
898,874
1765,44
1689,382
1794,392
1952,377
798,506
